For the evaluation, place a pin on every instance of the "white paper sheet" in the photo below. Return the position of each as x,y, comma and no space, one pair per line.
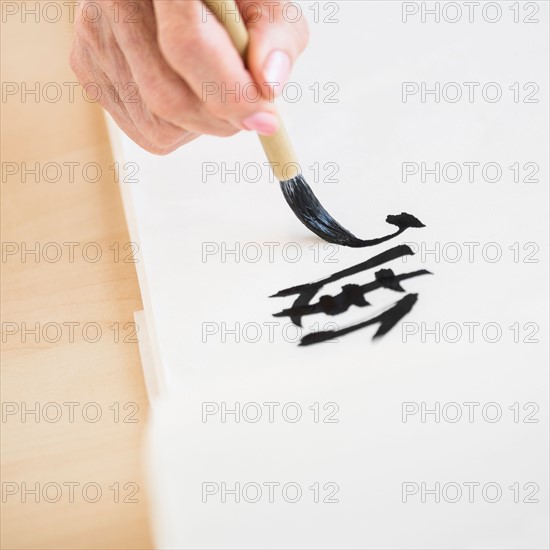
195,296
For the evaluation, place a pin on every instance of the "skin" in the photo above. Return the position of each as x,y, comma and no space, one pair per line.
153,58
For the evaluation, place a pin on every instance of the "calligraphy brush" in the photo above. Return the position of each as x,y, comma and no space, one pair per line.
280,153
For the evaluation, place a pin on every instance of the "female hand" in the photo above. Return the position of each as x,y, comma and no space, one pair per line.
168,71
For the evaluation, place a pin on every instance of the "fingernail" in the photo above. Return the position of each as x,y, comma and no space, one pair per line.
263,123
277,69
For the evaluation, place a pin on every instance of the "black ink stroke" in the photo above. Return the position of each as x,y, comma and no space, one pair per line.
387,319
375,261
306,292
351,295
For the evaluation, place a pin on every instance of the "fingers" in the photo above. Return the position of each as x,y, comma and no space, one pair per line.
97,60
147,134
199,50
186,76
278,35
162,89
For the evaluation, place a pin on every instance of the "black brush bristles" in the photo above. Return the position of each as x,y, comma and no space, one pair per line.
312,214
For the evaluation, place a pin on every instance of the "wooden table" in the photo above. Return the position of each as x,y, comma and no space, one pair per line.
68,378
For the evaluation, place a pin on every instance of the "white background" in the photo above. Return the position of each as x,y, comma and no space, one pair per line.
369,133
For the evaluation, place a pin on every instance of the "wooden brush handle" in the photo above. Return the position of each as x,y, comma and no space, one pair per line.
278,149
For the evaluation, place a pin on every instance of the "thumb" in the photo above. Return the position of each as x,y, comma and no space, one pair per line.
278,35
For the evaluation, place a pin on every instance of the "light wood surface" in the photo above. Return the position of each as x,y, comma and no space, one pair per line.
105,452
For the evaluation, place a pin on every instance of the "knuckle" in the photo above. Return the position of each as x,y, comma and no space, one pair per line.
160,101
160,135
159,150
162,151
